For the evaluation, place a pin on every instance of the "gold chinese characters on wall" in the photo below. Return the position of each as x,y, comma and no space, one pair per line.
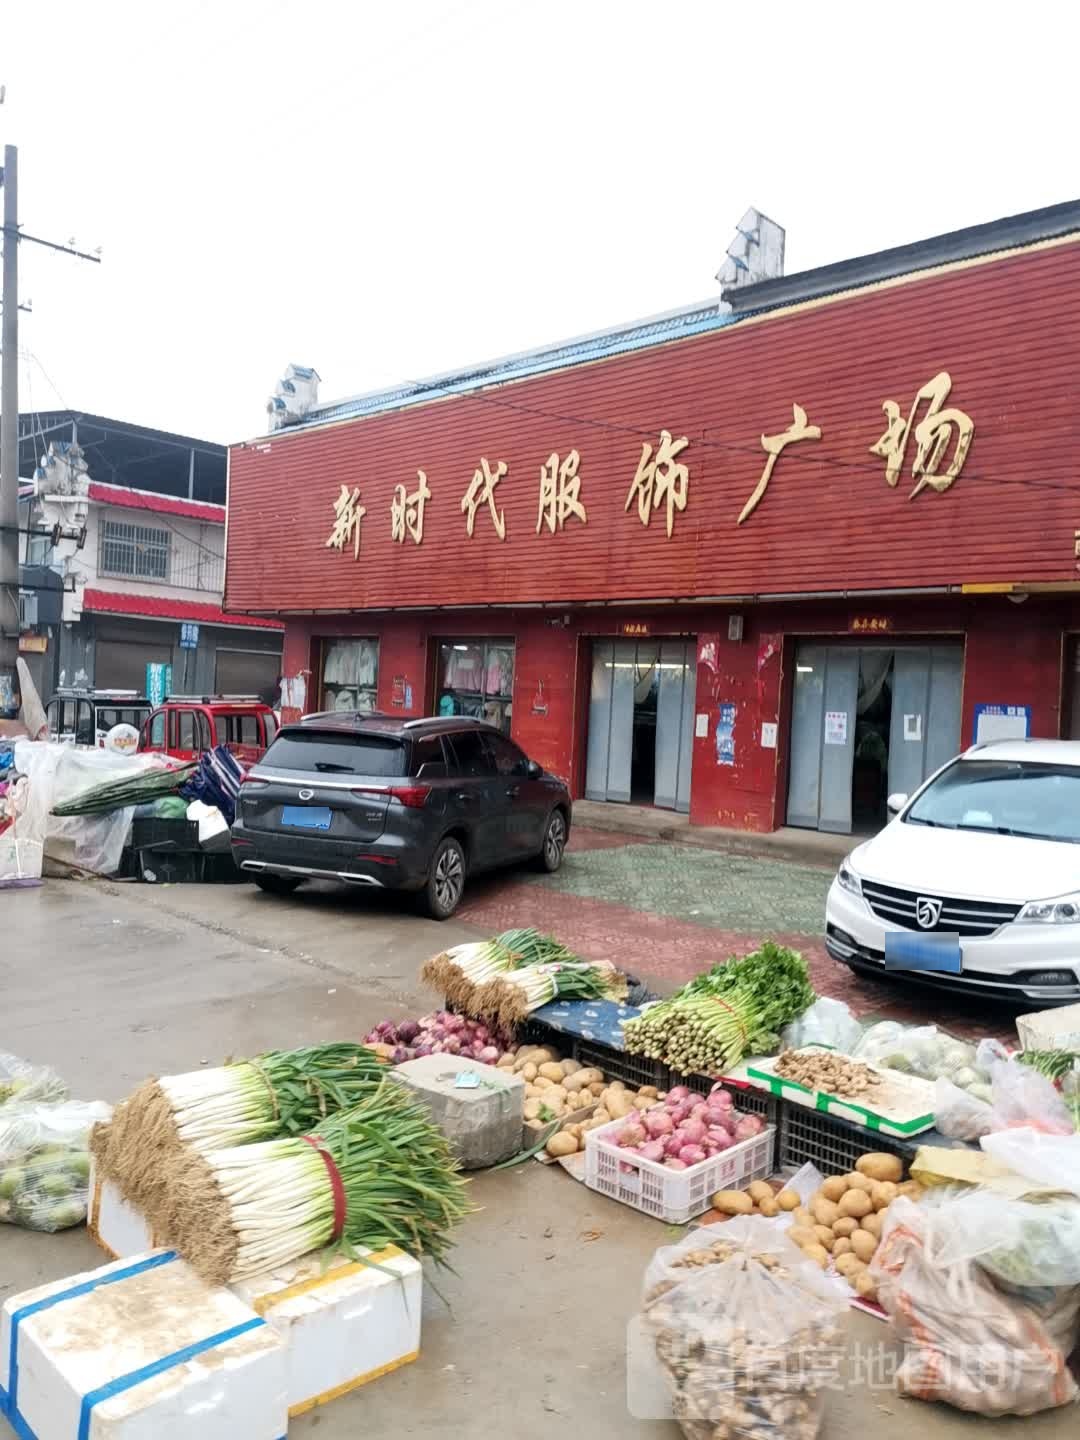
942,439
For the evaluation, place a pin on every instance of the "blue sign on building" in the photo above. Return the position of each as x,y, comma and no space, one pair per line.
158,682
189,635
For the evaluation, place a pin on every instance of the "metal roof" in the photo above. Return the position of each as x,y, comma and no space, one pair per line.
715,314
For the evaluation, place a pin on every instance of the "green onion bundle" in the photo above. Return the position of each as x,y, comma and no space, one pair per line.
283,1092
376,1175
502,980
719,1018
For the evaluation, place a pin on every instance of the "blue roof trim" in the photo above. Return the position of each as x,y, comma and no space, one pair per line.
697,321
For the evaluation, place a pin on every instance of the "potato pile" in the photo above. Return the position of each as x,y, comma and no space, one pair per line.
841,1223
759,1198
559,1089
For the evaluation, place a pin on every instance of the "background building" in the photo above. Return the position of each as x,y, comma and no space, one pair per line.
766,559
124,561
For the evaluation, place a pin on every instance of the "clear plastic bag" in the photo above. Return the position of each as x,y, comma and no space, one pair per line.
1052,1161
1023,1097
921,1050
746,1330
958,1114
966,1341
45,1163
826,1022
24,1084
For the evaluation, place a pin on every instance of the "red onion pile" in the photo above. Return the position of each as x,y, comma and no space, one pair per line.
441,1033
687,1128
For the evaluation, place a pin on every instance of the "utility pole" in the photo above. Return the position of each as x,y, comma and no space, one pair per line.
9,420
9,436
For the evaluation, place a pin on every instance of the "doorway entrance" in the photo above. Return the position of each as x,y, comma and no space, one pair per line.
867,722
641,722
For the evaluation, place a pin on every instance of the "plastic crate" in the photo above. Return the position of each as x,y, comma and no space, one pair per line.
150,833
830,1144
632,1070
1057,1029
674,1196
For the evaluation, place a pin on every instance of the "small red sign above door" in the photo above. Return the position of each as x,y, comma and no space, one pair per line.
634,628
870,624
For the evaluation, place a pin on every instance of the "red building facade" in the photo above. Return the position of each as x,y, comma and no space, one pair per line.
856,504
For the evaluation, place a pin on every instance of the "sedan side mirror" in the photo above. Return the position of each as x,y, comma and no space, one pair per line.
534,771
896,803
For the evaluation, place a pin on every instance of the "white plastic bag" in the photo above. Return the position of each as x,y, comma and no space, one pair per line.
959,1115
747,1331
45,1163
826,1022
1052,1161
966,1342
1023,1097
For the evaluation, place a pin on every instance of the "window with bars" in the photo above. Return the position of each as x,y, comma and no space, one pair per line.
139,550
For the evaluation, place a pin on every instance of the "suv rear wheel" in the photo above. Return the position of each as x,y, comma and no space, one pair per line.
551,856
276,884
446,880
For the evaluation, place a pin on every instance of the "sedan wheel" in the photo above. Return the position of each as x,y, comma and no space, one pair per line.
446,883
551,857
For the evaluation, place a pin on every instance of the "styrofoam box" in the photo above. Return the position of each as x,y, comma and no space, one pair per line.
1057,1029
114,1223
343,1326
138,1350
672,1195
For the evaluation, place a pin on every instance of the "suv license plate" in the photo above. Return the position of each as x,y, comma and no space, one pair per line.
940,953
306,817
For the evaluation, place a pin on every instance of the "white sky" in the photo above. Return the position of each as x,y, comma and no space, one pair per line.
385,191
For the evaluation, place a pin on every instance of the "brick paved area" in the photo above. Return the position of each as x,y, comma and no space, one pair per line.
666,912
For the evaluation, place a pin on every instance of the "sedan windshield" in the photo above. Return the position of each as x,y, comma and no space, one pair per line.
1041,802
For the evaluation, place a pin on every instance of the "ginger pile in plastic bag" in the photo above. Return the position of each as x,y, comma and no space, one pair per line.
970,1338
747,1333
44,1148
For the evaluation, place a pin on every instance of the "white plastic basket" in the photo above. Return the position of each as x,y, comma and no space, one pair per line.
672,1195
1050,1029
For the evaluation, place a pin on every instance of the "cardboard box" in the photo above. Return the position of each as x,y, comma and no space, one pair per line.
137,1350
116,1225
343,1326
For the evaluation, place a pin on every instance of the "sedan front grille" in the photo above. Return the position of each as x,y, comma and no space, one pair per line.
968,918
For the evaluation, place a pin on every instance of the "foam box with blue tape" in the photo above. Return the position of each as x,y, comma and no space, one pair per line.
137,1350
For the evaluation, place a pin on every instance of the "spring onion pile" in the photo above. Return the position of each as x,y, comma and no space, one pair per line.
234,1212
502,980
731,1011
284,1092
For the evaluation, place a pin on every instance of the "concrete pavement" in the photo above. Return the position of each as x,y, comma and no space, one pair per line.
110,982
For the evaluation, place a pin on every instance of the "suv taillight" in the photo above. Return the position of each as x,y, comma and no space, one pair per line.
414,796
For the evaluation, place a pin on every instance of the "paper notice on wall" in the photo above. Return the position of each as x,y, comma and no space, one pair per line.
768,735
835,727
701,726
725,734
912,727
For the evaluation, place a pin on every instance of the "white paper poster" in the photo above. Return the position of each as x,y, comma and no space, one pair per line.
835,727
912,727
768,734
701,726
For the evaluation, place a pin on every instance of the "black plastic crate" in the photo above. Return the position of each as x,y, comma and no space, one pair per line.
154,834
635,1070
832,1145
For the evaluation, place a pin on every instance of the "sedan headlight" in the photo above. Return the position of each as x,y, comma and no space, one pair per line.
1061,910
848,880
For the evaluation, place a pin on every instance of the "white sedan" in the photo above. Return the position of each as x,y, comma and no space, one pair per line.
975,882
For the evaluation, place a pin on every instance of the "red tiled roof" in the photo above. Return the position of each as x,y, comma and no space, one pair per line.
158,607
160,504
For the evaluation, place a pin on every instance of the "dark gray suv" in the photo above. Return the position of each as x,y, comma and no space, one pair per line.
398,804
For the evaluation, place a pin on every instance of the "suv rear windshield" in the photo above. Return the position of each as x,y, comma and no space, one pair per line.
336,754
1004,797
